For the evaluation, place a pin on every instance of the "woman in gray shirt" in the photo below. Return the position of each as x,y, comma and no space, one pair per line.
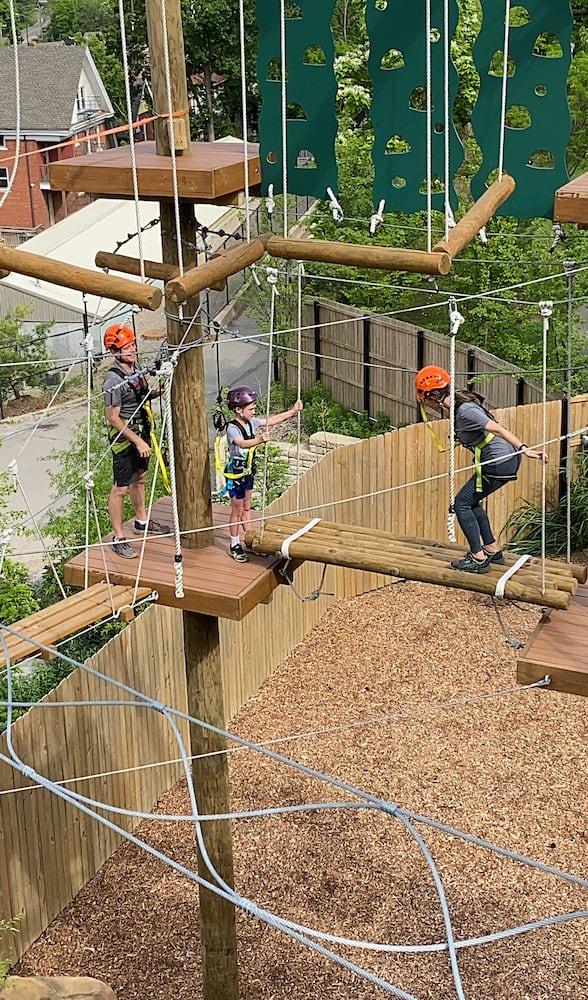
497,456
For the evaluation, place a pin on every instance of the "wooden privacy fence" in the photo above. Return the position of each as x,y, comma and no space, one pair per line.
395,482
368,362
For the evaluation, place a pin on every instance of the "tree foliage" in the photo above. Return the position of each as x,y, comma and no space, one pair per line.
24,359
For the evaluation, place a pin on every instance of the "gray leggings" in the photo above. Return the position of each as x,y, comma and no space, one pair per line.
472,517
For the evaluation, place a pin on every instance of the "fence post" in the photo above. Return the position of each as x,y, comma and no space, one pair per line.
420,363
366,363
471,365
520,392
564,445
317,339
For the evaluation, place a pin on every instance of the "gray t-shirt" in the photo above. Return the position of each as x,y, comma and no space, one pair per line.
118,391
470,430
245,429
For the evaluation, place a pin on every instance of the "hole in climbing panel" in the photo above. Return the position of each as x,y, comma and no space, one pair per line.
291,10
272,157
541,159
295,111
518,16
437,185
397,144
418,99
434,35
399,182
517,117
496,67
274,69
541,90
305,160
314,56
392,59
381,4
548,46
439,128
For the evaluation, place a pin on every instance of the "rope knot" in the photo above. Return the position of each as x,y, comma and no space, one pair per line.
377,218
89,480
272,275
269,201
546,308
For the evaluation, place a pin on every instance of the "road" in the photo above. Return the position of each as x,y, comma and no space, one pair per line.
241,361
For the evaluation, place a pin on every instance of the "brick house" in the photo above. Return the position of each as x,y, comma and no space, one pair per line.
61,98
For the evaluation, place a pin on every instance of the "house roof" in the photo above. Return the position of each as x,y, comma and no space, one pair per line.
49,75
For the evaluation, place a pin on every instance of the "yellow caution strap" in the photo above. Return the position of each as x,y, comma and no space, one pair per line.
157,450
430,427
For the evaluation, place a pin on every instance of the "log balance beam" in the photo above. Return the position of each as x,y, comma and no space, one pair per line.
68,275
151,268
348,254
424,560
476,217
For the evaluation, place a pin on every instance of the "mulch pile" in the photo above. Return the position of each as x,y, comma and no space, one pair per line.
394,693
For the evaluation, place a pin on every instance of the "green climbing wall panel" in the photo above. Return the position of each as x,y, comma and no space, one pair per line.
537,114
398,69
311,90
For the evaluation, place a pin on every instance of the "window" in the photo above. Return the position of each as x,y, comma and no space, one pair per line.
3,178
2,142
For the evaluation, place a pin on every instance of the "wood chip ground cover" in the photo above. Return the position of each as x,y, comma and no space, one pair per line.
394,692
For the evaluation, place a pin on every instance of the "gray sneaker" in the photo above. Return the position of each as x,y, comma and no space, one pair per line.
123,548
153,528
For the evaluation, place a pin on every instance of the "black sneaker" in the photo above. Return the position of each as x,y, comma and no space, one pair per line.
495,557
153,528
123,548
469,564
238,553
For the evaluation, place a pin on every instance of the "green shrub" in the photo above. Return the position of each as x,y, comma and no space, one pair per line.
8,927
524,524
320,413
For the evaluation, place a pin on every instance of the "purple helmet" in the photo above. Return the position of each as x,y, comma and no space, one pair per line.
241,396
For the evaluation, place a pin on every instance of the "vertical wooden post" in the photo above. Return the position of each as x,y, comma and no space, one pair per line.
201,633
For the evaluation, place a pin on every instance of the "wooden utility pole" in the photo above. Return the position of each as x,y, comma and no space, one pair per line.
201,633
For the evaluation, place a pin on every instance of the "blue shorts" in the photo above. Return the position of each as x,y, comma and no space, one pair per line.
237,488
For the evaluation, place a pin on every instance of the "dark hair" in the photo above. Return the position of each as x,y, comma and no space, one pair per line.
469,396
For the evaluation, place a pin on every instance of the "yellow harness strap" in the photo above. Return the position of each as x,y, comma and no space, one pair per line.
156,449
430,427
478,460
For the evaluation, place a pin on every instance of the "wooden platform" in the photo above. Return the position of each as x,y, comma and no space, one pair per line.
559,647
208,172
571,202
214,584
66,618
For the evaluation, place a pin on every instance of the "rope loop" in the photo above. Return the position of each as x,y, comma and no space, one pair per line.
272,276
455,317
335,207
377,218
89,480
269,202
546,308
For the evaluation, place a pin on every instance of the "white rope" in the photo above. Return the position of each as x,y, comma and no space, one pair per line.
504,89
167,370
546,309
91,500
88,344
449,219
269,207
13,470
127,77
335,207
499,591
285,548
299,380
272,278
284,115
569,268
455,321
429,120
244,116
15,48
377,218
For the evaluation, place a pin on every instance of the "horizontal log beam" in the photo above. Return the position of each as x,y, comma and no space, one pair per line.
215,270
132,265
3,273
70,276
477,216
360,255
361,548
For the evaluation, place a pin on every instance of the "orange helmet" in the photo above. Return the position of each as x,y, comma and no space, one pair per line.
117,336
429,378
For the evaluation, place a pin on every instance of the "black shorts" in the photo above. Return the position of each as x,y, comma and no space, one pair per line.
127,466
